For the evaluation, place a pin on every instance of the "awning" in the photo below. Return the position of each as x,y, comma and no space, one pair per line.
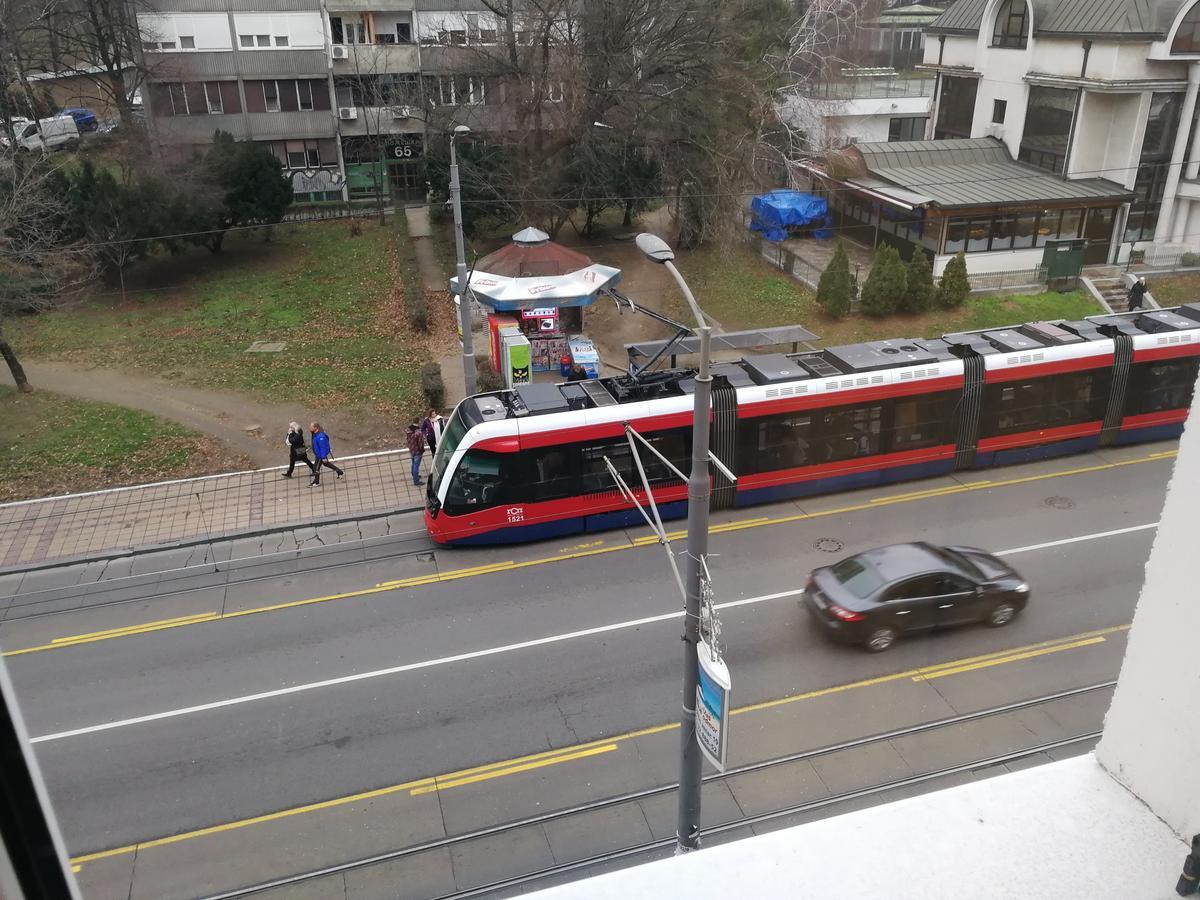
507,294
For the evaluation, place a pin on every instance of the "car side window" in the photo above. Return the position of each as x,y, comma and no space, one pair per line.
953,584
913,589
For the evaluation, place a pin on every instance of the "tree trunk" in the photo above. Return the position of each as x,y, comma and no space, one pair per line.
14,366
627,222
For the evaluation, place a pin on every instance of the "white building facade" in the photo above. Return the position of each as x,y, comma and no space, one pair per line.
1084,89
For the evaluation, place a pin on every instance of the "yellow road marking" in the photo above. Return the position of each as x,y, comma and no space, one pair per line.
510,565
124,628
441,785
1030,654
608,744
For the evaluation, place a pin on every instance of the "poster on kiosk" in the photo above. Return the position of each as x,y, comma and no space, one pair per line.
712,705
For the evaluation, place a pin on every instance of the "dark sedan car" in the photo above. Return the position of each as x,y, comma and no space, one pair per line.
874,597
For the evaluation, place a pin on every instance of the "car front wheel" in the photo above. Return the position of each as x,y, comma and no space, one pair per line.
881,639
1001,615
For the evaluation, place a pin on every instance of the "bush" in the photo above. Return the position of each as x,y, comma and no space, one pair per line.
417,310
955,287
487,379
919,290
1190,259
835,289
886,286
432,386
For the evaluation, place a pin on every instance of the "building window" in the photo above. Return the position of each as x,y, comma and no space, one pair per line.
999,108
179,106
304,94
263,40
1150,183
907,128
1187,38
271,96
186,42
1048,120
956,108
453,36
281,40
403,33
212,96
246,40
455,90
1012,26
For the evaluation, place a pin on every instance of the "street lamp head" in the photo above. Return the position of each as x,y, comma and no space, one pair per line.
602,125
462,129
654,248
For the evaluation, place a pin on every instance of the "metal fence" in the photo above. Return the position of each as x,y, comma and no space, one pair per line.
99,522
869,88
989,282
1165,258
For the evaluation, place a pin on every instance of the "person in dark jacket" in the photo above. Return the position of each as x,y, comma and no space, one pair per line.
323,452
416,449
432,427
578,373
297,451
1137,294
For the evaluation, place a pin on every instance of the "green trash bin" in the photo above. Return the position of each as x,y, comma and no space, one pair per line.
1063,262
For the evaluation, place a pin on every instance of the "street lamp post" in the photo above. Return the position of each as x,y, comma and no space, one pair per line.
464,291
687,835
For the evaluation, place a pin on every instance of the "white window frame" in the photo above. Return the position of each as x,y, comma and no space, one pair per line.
182,93
208,99
187,37
300,96
266,102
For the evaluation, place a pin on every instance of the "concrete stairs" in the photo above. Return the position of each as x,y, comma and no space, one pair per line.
1114,292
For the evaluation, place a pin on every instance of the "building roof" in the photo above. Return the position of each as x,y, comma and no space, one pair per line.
1111,19
912,14
968,173
531,255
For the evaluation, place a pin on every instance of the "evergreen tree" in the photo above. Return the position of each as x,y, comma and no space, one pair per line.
885,288
955,287
247,187
920,290
835,289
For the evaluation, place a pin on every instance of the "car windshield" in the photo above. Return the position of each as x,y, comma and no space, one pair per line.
959,560
857,576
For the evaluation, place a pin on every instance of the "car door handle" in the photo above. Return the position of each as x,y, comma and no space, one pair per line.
945,606
903,612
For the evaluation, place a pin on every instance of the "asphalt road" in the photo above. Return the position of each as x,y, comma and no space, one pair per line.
470,692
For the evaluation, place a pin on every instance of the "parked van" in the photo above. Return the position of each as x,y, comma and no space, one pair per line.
53,133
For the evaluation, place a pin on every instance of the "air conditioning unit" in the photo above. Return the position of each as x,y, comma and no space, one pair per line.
340,51
996,130
402,112
347,112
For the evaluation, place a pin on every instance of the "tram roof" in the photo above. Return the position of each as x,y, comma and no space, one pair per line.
851,359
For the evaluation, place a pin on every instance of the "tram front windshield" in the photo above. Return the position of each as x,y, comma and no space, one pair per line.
452,436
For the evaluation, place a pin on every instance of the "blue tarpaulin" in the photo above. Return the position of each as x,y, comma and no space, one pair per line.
776,212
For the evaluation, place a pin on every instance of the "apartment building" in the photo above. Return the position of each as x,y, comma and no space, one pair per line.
332,87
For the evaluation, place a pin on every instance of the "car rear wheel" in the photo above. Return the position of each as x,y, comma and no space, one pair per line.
881,639
1001,614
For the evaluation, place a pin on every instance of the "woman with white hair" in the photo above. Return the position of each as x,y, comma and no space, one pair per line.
297,451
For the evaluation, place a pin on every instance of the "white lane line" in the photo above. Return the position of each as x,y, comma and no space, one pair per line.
1076,540
490,651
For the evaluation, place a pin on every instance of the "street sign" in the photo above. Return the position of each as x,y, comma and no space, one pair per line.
712,705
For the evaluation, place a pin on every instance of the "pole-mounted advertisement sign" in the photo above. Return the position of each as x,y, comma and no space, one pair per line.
712,705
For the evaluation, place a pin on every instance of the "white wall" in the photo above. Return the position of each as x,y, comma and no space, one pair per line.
209,31
303,30
1000,261
1151,737
1107,136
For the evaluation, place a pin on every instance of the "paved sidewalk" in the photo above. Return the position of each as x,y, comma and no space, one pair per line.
75,525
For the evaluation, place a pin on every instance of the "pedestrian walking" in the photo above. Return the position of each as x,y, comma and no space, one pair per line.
1137,294
297,450
431,427
416,449
323,453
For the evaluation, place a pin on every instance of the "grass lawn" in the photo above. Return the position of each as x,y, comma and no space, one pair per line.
54,444
743,292
1174,290
314,286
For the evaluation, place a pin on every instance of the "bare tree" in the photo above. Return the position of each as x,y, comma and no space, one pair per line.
40,268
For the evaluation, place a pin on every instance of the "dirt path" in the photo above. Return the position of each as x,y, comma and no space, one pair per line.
239,422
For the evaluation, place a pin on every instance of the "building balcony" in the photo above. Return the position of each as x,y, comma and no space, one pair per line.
365,121
374,59
246,126
361,6
881,86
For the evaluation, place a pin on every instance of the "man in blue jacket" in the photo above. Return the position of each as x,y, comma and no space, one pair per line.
323,453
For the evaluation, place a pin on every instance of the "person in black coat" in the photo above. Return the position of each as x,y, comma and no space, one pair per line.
297,451
1137,294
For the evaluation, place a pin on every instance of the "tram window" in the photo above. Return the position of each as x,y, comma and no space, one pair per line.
851,432
551,474
1160,386
777,442
480,481
1079,397
675,445
919,422
1016,406
594,473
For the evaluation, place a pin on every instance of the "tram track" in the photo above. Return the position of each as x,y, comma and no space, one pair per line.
279,887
